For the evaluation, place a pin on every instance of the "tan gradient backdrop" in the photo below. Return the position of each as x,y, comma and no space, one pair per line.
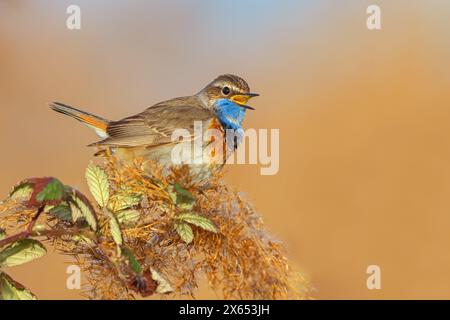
363,116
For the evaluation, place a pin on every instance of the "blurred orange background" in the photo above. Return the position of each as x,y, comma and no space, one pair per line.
363,116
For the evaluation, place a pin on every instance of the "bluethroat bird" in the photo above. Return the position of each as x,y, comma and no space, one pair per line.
221,105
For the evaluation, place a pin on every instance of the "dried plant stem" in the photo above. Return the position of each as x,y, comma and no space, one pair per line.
24,234
153,232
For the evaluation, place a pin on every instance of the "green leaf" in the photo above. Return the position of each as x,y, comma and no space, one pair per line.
116,233
75,212
54,190
183,196
97,181
88,213
81,209
163,285
62,212
134,264
198,221
128,217
185,232
122,201
2,234
22,191
21,252
12,290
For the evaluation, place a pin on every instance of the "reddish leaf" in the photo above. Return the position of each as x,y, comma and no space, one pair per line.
46,191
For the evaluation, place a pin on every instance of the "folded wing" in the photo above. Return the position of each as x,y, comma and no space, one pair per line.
155,126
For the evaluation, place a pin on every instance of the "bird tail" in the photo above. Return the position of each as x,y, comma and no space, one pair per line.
99,124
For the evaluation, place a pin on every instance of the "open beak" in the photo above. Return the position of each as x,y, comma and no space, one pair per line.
242,99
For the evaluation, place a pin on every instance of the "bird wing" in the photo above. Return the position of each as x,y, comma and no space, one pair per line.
156,124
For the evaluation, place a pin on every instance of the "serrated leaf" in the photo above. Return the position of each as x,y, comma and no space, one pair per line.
121,202
88,213
53,191
12,290
198,221
128,217
185,232
183,196
62,212
21,252
163,285
134,264
22,191
116,233
97,181
75,211
81,209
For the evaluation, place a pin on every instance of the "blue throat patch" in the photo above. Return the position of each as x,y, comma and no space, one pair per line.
231,117
229,114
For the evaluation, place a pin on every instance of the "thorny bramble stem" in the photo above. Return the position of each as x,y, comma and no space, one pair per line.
24,234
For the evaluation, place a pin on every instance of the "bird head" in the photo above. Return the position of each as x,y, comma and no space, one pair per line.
227,89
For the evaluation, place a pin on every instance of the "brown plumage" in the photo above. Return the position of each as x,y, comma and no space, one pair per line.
149,134
155,125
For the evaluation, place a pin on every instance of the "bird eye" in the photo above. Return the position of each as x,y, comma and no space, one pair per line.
226,91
